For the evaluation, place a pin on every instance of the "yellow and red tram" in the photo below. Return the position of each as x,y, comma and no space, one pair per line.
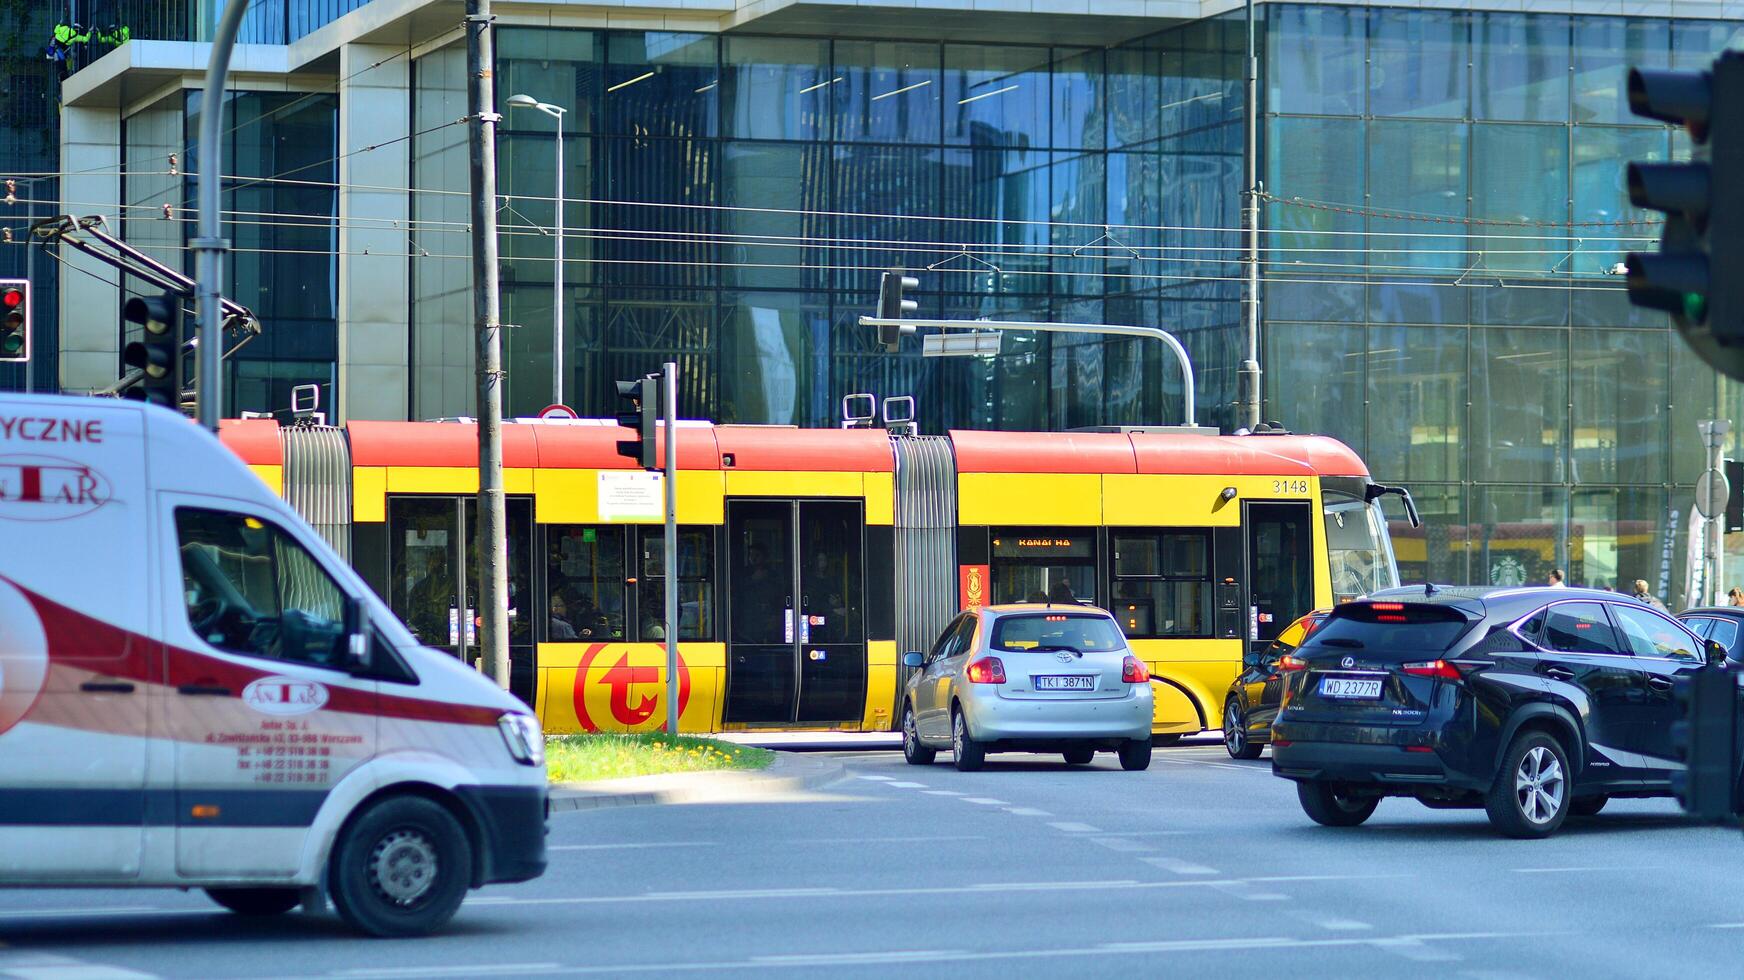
809,558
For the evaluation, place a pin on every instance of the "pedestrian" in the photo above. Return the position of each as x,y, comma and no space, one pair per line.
1735,597
1642,595
1557,579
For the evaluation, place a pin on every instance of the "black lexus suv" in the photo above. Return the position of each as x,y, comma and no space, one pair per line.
1529,702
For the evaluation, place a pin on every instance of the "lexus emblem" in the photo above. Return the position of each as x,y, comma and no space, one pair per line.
1347,662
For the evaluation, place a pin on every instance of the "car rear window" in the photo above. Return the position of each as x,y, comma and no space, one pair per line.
1056,631
1404,627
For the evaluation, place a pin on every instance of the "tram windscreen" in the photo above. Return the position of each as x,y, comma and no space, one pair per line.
1359,552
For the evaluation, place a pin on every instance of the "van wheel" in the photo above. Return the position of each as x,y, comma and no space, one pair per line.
969,754
1330,805
401,868
1135,755
256,901
1531,795
913,751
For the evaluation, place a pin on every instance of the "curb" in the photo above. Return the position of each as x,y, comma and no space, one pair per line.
789,773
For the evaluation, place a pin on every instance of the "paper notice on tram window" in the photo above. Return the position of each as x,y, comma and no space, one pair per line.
631,497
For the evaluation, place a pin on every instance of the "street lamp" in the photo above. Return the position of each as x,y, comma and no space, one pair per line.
556,113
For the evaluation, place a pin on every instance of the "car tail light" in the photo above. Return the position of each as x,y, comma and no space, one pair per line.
1290,661
987,670
1133,671
1432,668
1388,606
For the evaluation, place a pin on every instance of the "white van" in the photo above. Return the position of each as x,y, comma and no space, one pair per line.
196,692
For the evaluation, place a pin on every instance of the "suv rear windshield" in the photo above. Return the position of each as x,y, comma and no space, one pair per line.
1056,631
1390,626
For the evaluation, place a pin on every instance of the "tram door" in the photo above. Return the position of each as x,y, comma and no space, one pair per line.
796,640
433,576
1280,561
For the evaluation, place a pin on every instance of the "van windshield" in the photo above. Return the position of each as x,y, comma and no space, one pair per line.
1056,631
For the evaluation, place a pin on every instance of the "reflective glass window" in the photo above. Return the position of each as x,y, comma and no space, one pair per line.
1134,93
1033,564
1725,633
773,348
1605,48
1519,412
996,96
1314,378
889,91
1082,245
1579,627
696,583
1162,583
1417,168
1520,66
1437,550
776,88
886,196
1601,158
1079,98
652,187
1324,165
1417,390
660,83
775,234
1316,59
1620,398
1697,389
252,589
1418,63
1616,536
1696,43
584,575
1519,175
1647,634
1517,534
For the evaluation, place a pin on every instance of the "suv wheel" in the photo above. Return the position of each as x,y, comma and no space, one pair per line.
1235,740
1531,795
913,751
968,753
1333,805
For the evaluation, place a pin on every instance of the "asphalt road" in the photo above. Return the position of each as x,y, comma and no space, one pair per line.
1199,867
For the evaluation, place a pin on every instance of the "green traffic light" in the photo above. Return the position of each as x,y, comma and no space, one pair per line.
12,343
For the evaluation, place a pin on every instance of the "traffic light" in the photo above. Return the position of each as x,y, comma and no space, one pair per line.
14,321
1705,738
1697,275
639,411
891,306
159,354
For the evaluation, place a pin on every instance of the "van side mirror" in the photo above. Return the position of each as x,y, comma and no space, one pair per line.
357,635
913,660
1716,653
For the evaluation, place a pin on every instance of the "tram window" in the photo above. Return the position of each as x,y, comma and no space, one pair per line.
1037,565
1162,584
584,576
696,584
1358,552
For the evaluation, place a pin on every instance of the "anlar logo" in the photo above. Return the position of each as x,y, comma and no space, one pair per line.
23,656
285,696
45,488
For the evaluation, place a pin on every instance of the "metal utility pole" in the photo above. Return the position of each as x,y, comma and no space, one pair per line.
1250,221
209,247
1712,491
669,409
493,547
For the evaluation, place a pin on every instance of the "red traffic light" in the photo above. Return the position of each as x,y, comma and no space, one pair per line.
11,298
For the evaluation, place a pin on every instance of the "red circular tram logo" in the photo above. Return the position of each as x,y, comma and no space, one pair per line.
616,693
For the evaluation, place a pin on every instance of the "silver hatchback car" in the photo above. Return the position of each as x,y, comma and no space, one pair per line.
1028,678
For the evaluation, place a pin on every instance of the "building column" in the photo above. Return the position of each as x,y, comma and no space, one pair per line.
90,308
374,301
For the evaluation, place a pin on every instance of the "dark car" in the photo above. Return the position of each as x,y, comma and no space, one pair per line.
1252,702
1722,624
1531,703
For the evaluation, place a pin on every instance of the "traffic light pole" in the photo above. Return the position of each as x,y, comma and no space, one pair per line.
209,247
493,611
669,409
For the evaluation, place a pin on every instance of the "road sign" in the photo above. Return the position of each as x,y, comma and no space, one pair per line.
981,343
558,412
1712,491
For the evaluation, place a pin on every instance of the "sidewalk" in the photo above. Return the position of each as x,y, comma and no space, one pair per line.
789,773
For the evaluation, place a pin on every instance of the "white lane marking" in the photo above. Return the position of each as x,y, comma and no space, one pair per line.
1124,845
1215,765
1032,886
632,847
1075,828
907,785
817,960
852,959
1178,866
1027,811
385,972
1726,925
1244,889
22,965
941,792
985,801
116,910
876,779
1331,922
1412,948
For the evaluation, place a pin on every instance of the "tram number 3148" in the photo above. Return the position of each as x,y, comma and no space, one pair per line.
1290,486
